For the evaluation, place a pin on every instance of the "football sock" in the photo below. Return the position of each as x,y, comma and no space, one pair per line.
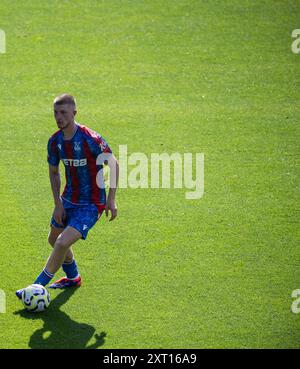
44,278
70,269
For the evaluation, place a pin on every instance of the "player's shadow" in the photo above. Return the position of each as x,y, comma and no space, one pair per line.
59,330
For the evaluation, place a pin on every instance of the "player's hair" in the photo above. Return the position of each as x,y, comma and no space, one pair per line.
65,99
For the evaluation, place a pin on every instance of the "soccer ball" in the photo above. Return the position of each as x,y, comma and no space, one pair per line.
35,298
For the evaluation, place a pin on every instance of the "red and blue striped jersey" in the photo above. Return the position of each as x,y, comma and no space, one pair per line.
83,174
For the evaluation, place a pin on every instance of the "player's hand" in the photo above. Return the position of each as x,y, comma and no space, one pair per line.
59,213
111,206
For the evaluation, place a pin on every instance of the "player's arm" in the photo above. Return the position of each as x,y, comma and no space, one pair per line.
55,181
114,180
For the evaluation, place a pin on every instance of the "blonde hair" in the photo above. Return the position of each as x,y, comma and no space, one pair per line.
65,99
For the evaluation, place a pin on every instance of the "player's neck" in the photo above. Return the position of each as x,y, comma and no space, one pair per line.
70,131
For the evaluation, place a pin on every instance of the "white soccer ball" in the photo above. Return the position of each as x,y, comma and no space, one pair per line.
35,298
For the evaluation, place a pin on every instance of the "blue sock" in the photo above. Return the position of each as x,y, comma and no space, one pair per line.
44,278
70,269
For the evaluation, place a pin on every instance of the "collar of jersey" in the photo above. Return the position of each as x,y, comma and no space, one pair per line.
70,139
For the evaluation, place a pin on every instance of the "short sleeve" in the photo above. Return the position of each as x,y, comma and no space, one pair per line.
100,145
53,155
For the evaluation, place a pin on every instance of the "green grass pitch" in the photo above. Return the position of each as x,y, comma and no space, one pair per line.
209,77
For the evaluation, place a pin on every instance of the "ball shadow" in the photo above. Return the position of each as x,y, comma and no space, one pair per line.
59,330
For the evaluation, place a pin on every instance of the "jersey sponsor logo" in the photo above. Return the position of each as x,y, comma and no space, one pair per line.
75,162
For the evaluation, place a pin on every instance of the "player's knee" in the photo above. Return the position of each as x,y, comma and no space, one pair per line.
61,243
51,240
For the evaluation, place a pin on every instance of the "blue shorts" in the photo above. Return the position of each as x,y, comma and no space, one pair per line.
80,217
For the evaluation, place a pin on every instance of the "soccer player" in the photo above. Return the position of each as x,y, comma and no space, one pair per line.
83,153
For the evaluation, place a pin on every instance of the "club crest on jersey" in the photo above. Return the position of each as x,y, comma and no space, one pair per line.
77,146
59,146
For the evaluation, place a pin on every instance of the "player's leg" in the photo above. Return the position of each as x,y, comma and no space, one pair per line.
79,222
52,237
65,239
82,219
53,234
61,247
58,255
69,265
